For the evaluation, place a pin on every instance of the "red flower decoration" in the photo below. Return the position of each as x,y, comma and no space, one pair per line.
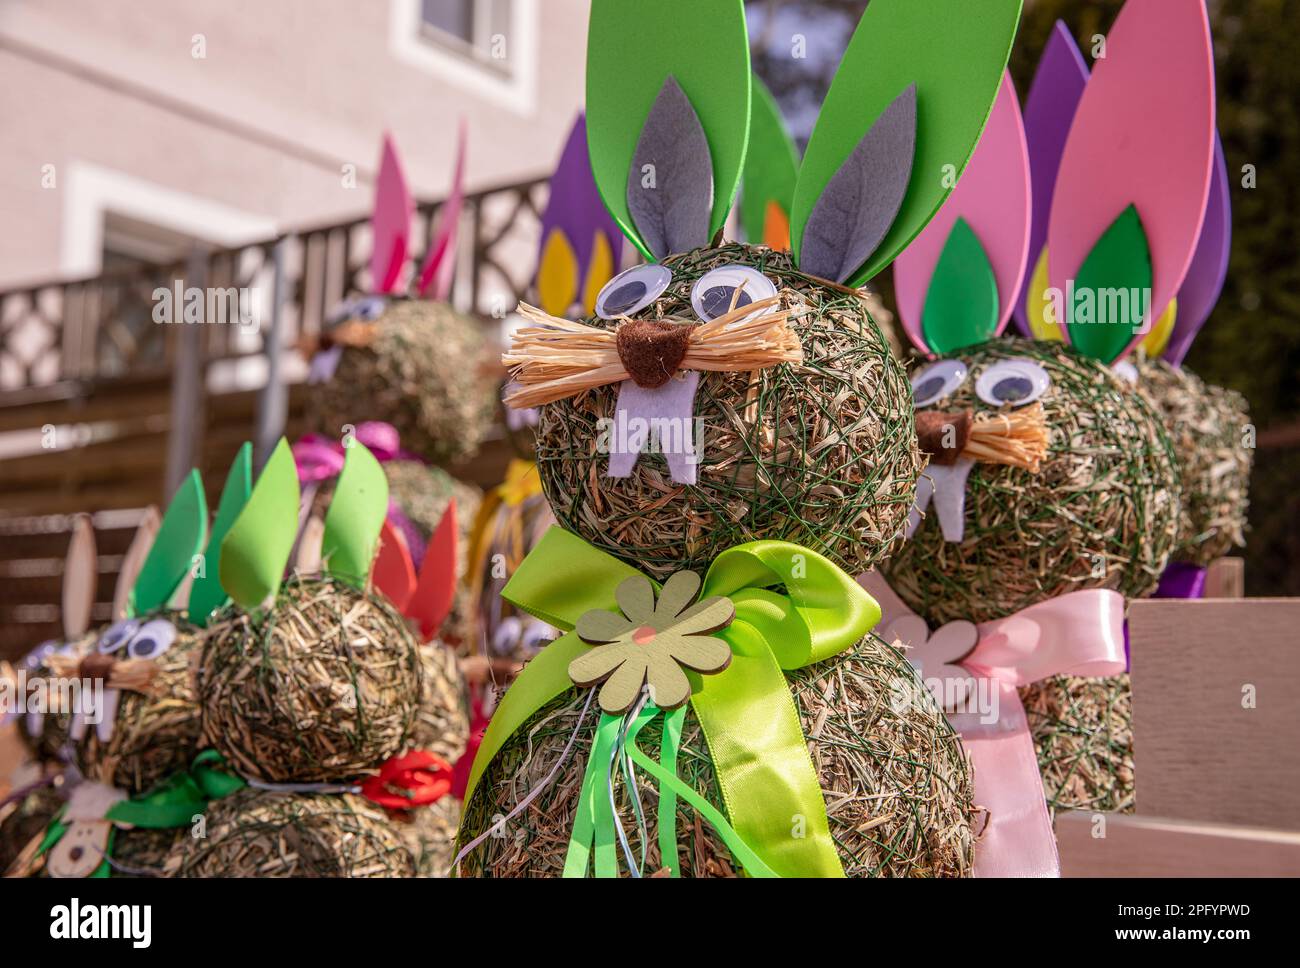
415,780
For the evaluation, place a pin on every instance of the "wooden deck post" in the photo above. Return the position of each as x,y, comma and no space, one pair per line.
273,401
188,392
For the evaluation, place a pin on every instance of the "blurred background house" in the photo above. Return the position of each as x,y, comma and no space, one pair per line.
235,144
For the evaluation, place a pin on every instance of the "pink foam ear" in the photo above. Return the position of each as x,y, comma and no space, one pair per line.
993,196
393,572
1143,134
440,265
431,602
391,223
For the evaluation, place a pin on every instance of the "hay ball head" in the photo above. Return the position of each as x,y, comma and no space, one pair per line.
822,453
1100,512
260,833
417,364
896,781
152,724
1208,428
323,686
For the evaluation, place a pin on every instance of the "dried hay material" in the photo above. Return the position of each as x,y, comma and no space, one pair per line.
1083,732
896,781
323,686
1102,512
430,835
427,372
257,833
423,491
140,852
156,733
26,819
442,719
821,453
1208,427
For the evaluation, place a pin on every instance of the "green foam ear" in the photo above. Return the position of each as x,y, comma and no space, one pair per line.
206,594
961,303
771,164
632,48
955,58
181,536
355,517
1112,291
256,549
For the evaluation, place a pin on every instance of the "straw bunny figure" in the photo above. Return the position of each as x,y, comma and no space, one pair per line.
411,360
727,391
807,464
1039,538
147,726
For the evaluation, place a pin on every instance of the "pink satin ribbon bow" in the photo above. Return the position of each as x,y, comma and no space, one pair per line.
1077,634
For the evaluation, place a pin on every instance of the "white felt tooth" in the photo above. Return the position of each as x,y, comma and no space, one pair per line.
35,724
950,497
924,491
77,728
108,716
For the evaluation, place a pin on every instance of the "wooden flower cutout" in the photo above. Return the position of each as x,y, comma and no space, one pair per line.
651,643
938,656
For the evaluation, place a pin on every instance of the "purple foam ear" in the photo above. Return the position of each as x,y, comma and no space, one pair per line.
575,206
1209,268
1049,109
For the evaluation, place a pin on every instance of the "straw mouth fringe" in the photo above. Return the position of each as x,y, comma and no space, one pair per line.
1018,438
556,358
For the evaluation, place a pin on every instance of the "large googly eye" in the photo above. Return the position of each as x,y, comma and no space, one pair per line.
153,639
632,290
117,635
506,635
536,635
937,381
370,308
1012,382
715,292
1126,371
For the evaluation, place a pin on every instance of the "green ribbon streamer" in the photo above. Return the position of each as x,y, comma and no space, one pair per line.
768,782
668,747
592,824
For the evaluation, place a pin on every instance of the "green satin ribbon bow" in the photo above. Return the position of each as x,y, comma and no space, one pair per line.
793,608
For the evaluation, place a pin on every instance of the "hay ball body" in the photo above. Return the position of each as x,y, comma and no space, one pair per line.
430,835
1102,511
141,852
25,820
257,833
1207,426
323,686
426,370
896,781
442,718
821,453
156,731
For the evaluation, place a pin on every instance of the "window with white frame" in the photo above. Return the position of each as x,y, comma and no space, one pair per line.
476,29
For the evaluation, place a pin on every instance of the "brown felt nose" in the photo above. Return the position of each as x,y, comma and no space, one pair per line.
651,350
943,435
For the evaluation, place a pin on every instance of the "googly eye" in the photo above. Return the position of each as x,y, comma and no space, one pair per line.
370,308
937,381
33,659
1013,383
1126,371
116,636
153,639
632,290
506,635
536,635
714,292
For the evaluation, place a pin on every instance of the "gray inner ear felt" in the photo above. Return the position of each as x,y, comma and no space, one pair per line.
670,184
862,199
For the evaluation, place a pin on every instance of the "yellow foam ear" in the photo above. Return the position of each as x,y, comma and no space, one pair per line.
557,276
776,227
1038,307
599,272
1154,343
